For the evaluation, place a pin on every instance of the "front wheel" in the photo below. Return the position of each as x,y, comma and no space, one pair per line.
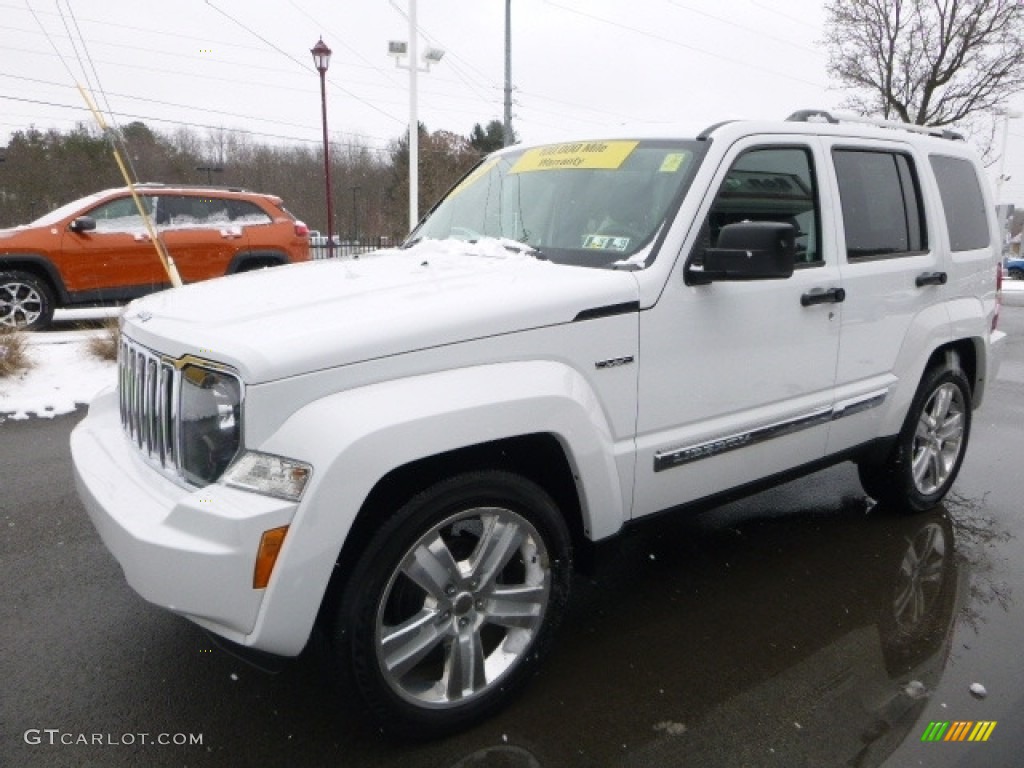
26,302
453,602
930,448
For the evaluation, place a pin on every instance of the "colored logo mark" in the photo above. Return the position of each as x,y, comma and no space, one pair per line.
959,730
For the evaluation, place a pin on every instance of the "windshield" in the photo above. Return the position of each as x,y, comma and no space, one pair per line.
598,203
55,217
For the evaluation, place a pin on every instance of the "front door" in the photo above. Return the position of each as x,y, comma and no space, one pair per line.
115,261
736,378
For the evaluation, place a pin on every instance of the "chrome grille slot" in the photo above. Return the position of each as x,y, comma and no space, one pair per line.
147,390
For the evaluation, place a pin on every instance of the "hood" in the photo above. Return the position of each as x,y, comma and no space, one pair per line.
289,320
11,237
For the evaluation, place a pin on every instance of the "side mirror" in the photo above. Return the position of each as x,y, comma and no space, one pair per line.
83,224
749,250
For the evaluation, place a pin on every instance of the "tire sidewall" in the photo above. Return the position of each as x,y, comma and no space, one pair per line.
909,494
353,629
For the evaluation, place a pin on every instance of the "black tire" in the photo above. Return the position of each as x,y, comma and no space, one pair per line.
26,302
930,448
434,634
1015,273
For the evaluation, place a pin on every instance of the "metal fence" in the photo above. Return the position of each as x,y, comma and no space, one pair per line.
347,249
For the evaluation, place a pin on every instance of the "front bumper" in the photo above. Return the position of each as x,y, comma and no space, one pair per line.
191,551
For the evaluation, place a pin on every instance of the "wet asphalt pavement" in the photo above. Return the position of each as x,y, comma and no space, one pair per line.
775,631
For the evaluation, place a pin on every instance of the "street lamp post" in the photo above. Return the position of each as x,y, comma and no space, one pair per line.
322,59
398,49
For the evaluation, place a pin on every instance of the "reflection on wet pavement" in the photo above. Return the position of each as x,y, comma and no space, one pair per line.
751,635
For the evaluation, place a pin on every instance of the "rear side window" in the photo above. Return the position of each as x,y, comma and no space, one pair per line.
962,202
881,202
244,212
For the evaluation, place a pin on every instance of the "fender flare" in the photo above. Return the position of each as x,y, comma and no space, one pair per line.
355,438
270,258
929,330
37,264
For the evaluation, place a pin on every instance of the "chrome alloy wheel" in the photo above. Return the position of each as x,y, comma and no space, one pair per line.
463,607
939,438
20,304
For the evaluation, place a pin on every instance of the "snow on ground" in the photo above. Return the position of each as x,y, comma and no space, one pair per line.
64,374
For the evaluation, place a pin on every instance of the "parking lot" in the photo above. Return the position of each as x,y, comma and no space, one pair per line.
760,633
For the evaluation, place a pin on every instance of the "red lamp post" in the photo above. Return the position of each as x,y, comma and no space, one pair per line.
322,59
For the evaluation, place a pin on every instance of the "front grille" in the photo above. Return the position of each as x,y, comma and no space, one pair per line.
148,385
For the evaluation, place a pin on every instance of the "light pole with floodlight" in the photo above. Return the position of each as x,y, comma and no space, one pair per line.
322,59
398,48
1007,115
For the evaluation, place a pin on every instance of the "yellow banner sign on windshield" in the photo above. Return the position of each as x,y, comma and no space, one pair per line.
606,155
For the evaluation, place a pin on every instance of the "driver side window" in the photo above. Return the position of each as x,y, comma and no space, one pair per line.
769,184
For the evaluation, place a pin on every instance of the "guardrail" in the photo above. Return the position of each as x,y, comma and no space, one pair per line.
351,250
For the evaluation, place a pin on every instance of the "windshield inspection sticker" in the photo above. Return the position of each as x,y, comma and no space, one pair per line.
604,155
606,243
672,162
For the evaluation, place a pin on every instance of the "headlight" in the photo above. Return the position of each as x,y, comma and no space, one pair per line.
268,474
211,422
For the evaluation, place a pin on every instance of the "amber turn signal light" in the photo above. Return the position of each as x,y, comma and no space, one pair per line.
266,556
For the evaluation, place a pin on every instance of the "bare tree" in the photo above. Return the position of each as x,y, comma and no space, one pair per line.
930,62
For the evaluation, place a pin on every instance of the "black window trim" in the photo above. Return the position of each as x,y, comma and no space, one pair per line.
808,149
917,198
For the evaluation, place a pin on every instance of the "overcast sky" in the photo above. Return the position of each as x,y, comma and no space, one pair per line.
578,66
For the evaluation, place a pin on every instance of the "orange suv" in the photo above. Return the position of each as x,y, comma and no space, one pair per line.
96,250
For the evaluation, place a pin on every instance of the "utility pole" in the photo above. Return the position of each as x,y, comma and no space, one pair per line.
507,127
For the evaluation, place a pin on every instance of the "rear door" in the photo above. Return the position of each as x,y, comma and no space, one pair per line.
199,234
893,271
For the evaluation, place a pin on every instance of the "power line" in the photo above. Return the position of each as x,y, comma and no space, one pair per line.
759,32
679,44
305,66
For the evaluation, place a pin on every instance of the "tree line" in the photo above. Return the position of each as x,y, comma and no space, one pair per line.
45,169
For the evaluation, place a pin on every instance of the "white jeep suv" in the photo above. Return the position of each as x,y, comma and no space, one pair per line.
406,451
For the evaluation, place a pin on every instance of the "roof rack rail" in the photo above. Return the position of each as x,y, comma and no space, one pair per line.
821,116
164,185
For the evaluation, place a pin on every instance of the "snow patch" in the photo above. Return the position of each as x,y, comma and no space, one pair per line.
63,376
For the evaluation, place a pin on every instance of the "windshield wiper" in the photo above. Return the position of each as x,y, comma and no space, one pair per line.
518,247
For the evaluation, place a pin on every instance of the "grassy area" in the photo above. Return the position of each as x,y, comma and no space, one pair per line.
14,357
104,345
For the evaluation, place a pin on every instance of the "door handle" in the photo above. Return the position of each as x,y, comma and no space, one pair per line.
930,278
821,296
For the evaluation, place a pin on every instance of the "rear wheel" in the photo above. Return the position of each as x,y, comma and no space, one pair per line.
453,602
1016,273
26,302
930,448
